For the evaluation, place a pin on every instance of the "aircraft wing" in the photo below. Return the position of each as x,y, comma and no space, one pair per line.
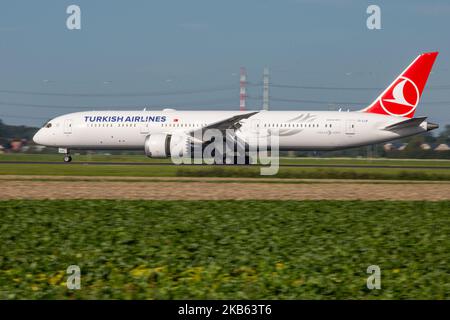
229,123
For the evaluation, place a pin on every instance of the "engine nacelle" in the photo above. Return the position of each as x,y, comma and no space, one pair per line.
162,145
157,145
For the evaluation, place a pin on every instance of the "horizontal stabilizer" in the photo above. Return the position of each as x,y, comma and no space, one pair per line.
413,122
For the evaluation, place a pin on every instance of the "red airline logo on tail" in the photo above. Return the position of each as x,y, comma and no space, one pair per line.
402,96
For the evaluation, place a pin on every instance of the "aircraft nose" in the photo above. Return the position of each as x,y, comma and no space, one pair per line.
37,138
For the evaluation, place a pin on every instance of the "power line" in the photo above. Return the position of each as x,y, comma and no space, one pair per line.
308,87
336,102
44,106
192,104
197,91
319,101
136,107
289,86
122,94
2,115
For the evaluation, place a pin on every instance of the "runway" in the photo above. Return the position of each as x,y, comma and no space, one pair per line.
98,163
178,188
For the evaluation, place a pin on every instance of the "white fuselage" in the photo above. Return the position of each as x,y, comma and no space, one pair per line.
297,130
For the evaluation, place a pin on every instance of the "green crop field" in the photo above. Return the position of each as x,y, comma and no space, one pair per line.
224,249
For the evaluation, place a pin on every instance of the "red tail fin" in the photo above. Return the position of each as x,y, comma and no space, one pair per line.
402,96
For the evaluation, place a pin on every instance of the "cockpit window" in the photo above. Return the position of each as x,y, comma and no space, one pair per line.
48,125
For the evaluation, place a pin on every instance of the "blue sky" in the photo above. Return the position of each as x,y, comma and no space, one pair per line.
170,47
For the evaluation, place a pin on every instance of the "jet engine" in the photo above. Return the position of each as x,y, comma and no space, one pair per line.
162,145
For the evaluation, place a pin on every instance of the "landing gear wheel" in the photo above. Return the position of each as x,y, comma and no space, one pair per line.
67,158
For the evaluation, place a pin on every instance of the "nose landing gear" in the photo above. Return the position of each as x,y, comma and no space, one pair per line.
67,156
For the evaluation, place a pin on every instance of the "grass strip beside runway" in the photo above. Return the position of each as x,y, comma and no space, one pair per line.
224,171
58,158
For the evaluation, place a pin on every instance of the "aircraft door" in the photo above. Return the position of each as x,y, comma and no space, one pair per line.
68,126
350,127
145,127
255,125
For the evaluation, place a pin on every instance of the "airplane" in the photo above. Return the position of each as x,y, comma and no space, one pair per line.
160,134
